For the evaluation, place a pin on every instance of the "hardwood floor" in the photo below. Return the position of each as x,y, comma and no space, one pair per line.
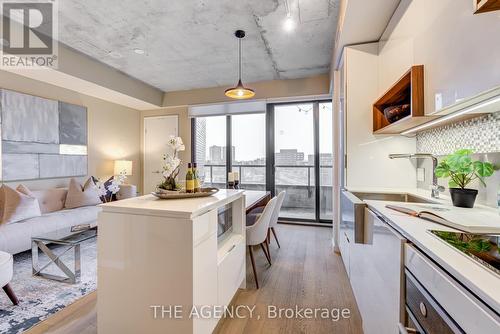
305,272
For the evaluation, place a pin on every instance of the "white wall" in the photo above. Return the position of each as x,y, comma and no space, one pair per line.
460,51
368,164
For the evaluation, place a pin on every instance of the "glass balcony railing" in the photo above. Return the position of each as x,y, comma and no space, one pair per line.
296,180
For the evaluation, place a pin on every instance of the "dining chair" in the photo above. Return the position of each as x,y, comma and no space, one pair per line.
274,219
257,235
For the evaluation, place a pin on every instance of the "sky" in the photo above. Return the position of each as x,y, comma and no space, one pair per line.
293,130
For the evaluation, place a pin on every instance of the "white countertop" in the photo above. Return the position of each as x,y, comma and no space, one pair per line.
175,208
480,280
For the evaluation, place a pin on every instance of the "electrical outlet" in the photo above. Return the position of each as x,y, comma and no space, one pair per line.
421,174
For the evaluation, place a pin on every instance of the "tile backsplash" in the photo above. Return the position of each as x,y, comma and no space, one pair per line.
481,134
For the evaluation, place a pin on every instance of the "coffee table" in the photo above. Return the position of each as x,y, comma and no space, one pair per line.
64,237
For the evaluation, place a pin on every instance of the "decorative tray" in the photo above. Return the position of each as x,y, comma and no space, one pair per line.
169,194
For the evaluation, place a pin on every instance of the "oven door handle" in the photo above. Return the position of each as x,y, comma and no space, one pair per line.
406,330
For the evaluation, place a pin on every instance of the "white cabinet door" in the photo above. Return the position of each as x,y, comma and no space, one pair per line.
231,272
376,274
204,269
157,132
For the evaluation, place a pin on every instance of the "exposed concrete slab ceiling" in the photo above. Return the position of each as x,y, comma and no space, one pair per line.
190,43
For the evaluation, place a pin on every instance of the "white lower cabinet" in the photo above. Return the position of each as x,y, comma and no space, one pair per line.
376,275
231,272
205,280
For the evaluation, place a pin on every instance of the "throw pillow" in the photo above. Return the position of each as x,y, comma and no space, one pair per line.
107,184
79,196
15,205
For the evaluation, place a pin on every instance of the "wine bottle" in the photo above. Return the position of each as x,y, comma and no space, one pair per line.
189,179
197,187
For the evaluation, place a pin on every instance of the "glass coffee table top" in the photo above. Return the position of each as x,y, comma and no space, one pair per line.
66,236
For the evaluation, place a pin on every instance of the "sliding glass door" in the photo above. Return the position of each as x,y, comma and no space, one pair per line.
294,159
300,147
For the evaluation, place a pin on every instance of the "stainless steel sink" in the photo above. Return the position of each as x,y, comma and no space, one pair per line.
353,207
394,197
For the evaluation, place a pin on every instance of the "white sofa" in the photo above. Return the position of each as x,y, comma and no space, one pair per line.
16,237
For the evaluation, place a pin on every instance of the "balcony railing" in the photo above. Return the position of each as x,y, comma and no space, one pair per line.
297,180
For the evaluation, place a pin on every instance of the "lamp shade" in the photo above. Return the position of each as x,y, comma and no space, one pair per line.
123,167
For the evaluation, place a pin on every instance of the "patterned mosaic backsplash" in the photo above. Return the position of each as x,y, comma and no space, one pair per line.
481,134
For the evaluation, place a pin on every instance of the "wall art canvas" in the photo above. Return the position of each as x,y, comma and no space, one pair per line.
41,138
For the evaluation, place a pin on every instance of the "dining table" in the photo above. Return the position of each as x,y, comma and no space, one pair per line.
256,198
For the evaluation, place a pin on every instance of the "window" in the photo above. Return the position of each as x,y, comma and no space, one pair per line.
210,150
287,148
248,140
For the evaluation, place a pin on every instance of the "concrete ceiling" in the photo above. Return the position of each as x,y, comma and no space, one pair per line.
190,43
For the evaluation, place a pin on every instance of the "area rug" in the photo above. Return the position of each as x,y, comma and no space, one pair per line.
39,297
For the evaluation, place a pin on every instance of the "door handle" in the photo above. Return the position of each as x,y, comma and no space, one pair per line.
156,172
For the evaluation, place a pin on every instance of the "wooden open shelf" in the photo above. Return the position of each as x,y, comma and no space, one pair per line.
409,89
483,6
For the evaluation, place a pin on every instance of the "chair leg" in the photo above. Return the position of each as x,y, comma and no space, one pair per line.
10,293
268,251
269,235
253,266
275,237
268,257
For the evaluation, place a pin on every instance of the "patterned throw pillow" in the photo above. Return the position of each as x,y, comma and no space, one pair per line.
15,205
107,184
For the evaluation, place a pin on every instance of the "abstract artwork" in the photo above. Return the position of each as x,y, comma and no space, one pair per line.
41,138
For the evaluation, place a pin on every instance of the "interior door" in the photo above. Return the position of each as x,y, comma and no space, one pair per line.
157,132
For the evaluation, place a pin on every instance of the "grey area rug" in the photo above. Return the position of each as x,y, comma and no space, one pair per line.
39,297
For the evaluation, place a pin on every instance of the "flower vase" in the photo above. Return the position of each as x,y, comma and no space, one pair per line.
169,184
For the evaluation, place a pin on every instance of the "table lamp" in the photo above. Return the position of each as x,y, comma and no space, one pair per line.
123,167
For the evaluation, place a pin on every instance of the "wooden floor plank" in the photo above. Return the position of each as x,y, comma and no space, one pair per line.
305,272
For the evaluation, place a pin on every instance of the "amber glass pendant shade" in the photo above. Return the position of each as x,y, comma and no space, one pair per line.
239,92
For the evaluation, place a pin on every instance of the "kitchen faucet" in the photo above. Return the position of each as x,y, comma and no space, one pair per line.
435,188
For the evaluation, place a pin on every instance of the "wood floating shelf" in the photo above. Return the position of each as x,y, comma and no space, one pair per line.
483,6
408,90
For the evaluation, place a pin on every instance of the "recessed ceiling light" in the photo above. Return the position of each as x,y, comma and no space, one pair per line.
115,54
288,24
139,51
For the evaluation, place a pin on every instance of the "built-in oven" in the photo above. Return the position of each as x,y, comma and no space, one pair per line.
436,303
423,313
224,221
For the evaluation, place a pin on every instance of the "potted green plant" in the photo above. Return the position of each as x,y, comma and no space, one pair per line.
462,170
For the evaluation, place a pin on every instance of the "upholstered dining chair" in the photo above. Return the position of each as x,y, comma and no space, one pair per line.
255,213
274,219
257,235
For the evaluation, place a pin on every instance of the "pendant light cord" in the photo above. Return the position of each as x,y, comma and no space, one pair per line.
239,58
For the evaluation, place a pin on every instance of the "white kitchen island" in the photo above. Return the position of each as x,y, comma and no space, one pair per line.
159,258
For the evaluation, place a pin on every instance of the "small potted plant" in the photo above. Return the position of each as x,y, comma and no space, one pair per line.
461,170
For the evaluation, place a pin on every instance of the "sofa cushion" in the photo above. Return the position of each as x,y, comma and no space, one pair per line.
15,205
16,238
51,200
79,196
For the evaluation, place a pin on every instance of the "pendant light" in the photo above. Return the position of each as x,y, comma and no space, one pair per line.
239,92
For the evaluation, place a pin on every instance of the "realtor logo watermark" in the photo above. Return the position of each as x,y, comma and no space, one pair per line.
29,34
